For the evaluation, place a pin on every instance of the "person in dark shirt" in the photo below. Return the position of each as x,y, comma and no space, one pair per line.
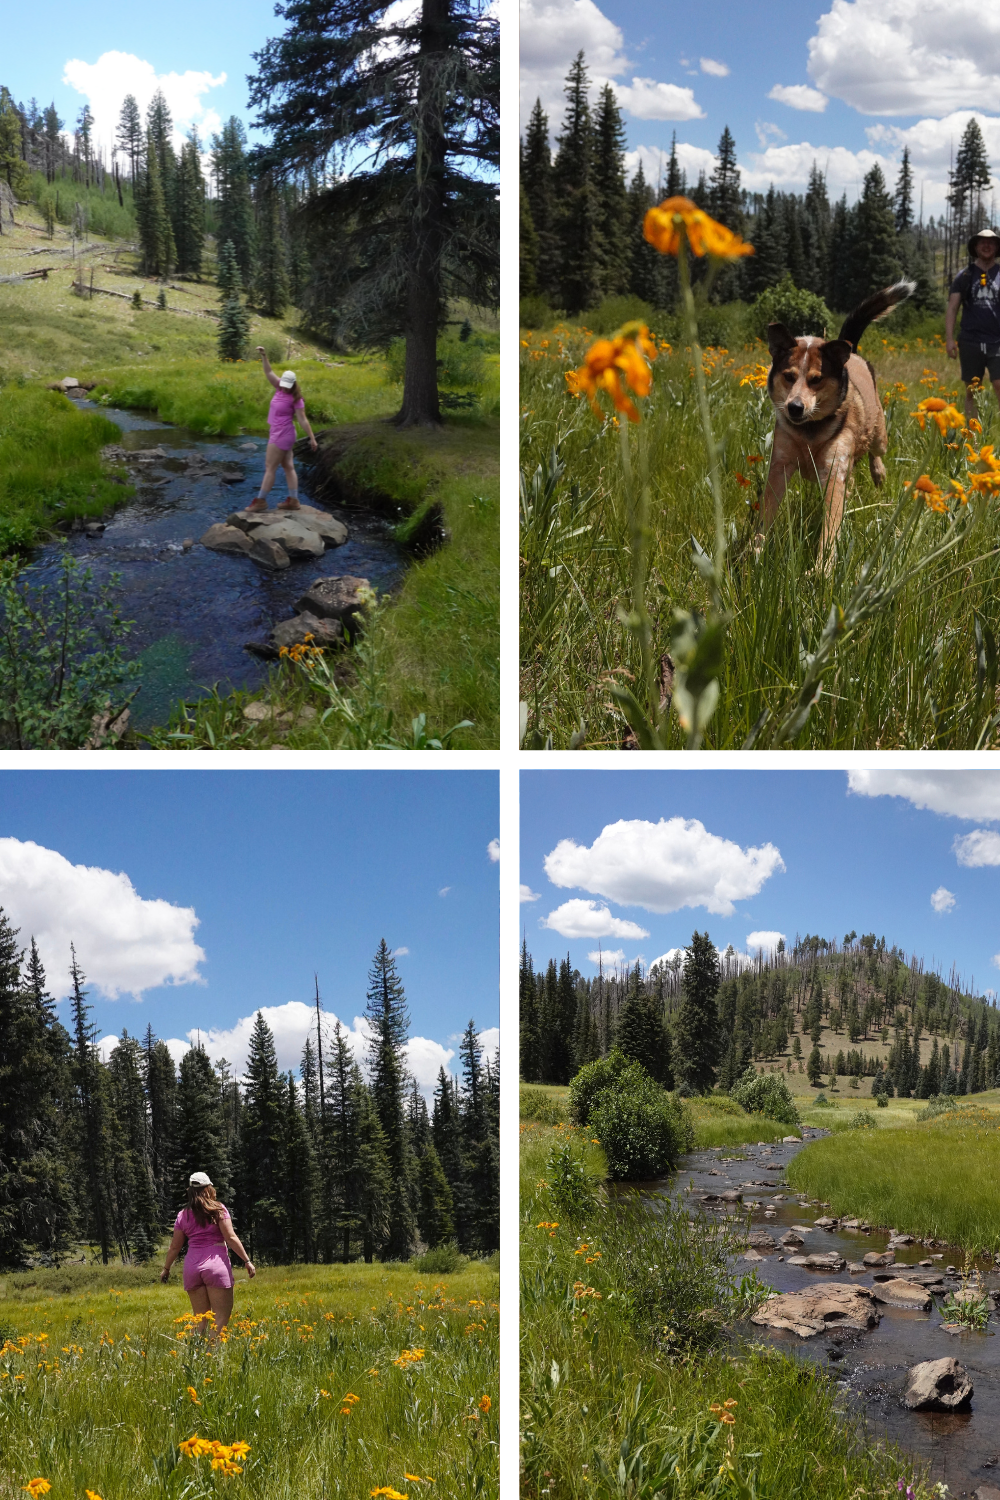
977,291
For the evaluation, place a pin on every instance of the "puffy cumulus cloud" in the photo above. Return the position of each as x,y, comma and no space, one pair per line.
981,847
552,32
891,57
973,795
942,900
768,133
664,866
607,958
124,944
788,168
648,100
716,69
669,960
489,1040
932,146
692,159
799,96
527,894
493,851
768,941
105,83
589,919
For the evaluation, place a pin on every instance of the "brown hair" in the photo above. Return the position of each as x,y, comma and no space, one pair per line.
204,1204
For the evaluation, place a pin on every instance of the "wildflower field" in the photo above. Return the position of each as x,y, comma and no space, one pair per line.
635,1379
353,1381
647,597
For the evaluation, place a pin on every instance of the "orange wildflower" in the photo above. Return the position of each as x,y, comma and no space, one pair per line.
942,413
607,361
678,219
932,495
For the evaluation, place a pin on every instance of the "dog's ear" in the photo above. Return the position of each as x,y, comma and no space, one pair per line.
836,353
779,340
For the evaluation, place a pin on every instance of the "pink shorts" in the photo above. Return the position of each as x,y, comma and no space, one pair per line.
209,1270
283,437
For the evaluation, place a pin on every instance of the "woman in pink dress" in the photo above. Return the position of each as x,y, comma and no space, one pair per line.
208,1272
286,406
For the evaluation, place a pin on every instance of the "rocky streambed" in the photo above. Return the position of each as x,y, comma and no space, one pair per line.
865,1304
207,614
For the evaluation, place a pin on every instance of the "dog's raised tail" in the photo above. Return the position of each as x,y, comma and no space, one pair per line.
878,305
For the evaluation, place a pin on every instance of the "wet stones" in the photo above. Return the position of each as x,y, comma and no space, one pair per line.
306,532
874,1259
344,599
825,1223
830,1304
790,1239
223,538
760,1240
269,553
937,1385
899,1293
293,632
832,1262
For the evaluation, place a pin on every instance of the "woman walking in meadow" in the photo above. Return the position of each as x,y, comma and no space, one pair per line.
208,1272
286,404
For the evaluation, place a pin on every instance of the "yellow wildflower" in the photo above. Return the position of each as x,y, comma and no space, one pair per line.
607,360
193,1395
678,218
485,1403
92,1495
36,1487
942,413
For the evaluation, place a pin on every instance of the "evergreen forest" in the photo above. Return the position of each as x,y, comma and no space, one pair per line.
340,1162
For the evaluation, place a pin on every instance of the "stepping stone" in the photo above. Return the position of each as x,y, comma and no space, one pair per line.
223,538
344,599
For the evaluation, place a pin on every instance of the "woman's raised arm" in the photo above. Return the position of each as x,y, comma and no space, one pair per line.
267,366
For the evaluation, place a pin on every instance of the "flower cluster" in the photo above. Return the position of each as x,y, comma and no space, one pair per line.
302,653
607,361
678,219
223,1455
36,1487
408,1357
942,413
723,1411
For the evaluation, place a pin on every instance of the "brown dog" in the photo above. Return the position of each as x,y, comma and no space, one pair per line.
828,411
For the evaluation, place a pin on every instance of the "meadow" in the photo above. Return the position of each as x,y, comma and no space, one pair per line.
342,1380
634,1381
893,647
431,659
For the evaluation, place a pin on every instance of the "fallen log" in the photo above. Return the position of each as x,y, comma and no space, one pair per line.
185,312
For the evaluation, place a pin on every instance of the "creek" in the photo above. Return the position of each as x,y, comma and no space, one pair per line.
962,1448
194,609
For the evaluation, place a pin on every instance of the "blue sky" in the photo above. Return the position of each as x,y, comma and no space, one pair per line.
912,856
287,873
844,82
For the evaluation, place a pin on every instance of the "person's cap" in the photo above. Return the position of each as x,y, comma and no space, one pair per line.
199,1179
287,380
983,234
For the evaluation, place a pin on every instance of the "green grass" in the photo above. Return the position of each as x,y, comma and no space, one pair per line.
726,1130
907,678
50,464
935,1179
588,1362
105,1399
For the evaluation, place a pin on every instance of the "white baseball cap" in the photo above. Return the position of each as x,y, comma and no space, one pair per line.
199,1179
287,380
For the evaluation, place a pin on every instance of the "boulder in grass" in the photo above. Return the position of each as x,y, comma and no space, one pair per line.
937,1385
269,553
222,538
343,599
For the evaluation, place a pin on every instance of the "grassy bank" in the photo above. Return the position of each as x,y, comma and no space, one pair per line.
717,1121
98,1389
624,1363
907,678
933,1179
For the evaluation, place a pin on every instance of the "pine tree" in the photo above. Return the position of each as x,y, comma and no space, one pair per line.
227,274
695,1039
261,1147
446,1127
840,285
48,1211
84,140
161,1094
129,137
816,230
875,262
530,1030
969,180
234,330
536,179
814,1067
389,1025
640,1033
299,1183
134,1209
371,1185
435,1215
156,236
234,203
271,271
676,183
12,164
51,140
725,204
159,143
480,1145
574,198
341,1212
611,216
92,1116
189,208
903,197
527,247
199,1133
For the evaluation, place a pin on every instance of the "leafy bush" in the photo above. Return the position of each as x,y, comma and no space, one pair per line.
882,1101
442,1260
535,312
642,1130
799,310
822,1102
593,1078
539,1106
864,1120
720,1104
571,1188
766,1094
614,311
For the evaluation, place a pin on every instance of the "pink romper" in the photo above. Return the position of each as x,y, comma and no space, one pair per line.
280,418
207,1261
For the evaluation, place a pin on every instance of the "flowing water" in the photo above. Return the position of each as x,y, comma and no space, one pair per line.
195,610
963,1448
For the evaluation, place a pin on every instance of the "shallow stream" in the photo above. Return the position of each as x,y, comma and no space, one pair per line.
963,1448
195,610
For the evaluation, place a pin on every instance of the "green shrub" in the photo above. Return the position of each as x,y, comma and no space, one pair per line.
864,1120
460,364
882,1101
571,1188
766,1094
799,310
535,312
593,1078
443,1260
720,1104
642,1130
539,1106
614,311
822,1102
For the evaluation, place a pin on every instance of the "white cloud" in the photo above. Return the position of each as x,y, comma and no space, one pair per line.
973,795
942,900
124,944
664,866
691,159
648,100
399,952
588,919
996,960
981,847
799,96
489,1040
717,69
667,960
607,958
788,168
493,851
527,894
891,57
105,83
766,133
552,32
768,941
444,890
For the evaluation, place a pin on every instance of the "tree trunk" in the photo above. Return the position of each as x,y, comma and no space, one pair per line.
421,407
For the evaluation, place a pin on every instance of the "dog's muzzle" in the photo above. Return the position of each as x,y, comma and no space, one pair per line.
796,410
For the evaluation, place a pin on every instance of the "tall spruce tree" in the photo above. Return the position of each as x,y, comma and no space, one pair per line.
574,196
299,1183
371,1187
161,1095
875,261
611,196
134,1210
903,196
446,1128
695,1028
262,1147
529,1032
199,1134
92,1123
389,1026
156,236
480,1144
189,208
536,180
233,200
270,288
49,1210
130,138
159,143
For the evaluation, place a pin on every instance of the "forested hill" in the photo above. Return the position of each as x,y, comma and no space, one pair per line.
338,1163
857,1007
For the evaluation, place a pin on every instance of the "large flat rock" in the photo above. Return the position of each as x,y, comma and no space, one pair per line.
327,527
297,540
937,1385
224,538
340,598
832,1262
899,1293
829,1304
